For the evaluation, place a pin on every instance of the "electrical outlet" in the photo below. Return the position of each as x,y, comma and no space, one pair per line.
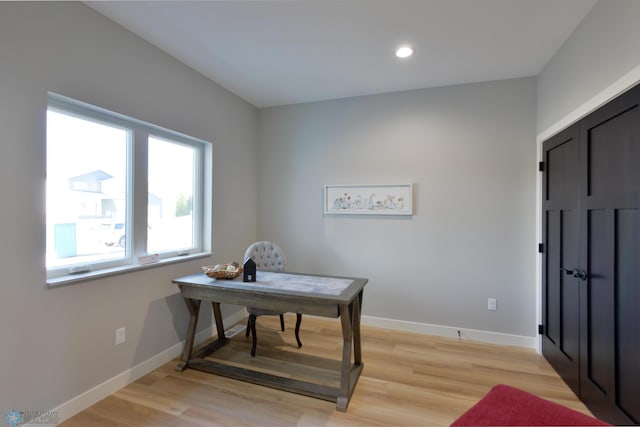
492,304
120,336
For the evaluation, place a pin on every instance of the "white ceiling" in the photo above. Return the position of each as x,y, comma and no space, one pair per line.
286,52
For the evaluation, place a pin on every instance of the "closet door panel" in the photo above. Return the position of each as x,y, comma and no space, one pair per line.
599,333
613,155
561,216
609,254
570,287
628,310
553,300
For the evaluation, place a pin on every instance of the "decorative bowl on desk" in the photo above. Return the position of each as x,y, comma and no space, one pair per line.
223,271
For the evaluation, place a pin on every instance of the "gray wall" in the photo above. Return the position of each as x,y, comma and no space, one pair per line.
59,343
602,49
469,150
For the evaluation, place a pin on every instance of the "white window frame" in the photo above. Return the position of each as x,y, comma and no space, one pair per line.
136,256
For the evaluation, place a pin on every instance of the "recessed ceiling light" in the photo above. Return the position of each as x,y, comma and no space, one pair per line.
404,52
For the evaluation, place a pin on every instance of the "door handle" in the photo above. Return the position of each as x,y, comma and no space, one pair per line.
580,274
576,272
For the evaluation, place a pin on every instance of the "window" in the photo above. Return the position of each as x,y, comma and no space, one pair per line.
170,210
121,192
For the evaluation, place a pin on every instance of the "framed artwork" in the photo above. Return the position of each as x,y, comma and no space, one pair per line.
386,199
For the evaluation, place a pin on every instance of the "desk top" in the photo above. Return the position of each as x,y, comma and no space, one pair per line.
337,289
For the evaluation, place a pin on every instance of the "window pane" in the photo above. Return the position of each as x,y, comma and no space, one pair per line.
170,217
86,190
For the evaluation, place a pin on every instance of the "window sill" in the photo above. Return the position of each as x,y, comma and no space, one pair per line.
98,274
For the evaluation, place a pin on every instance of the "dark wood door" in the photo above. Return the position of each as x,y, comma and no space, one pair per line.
591,263
561,227
610,257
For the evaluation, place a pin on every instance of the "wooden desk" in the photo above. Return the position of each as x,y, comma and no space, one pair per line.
286,292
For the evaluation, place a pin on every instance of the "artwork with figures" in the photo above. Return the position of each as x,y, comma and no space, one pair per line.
368,199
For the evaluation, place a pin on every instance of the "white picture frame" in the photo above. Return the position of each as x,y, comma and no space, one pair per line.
384,199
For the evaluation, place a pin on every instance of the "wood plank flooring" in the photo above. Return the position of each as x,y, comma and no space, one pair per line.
408,380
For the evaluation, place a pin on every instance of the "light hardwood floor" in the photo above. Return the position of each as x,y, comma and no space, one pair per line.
408,380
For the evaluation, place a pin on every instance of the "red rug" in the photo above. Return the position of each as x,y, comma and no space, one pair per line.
508,406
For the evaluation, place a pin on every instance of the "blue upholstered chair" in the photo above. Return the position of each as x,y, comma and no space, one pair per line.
268,257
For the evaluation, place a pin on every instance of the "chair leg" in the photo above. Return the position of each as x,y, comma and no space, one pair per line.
252,321
298,321
282,322
248,326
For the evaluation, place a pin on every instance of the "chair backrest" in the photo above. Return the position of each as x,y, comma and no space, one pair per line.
267,256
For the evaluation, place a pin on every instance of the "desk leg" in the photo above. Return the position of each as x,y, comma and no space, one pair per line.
194,309
217,315
345,374
357,306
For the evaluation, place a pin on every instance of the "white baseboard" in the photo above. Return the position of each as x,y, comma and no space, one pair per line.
451,332
99,392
